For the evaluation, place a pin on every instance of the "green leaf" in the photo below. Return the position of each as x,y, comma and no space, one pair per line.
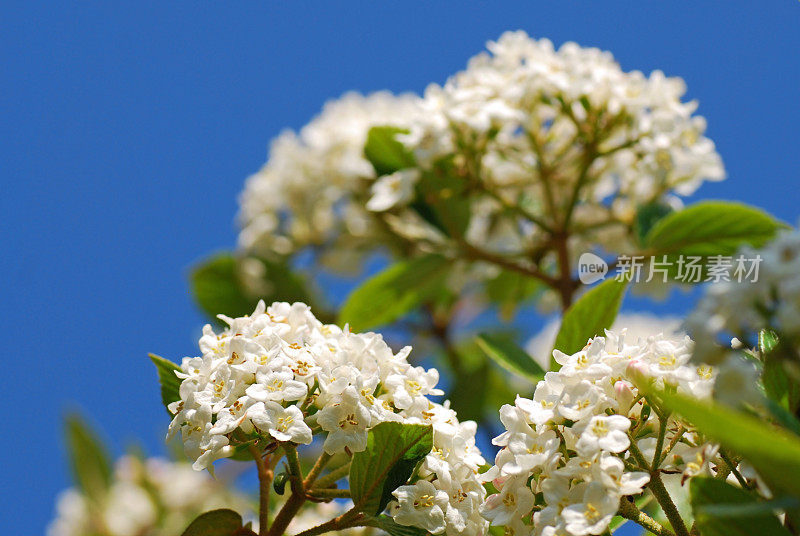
783,416
711,228
395,291
774,453
594,312
467,394
509,289
388,525
510,356
170,383
767,341
89,459
647,216
384,152
220,522
779,385
442,200
393,451
218,288
724,510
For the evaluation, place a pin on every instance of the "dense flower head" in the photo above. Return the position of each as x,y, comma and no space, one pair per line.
742,306
311,191
547,128
527,136
567,456
155,496
280,373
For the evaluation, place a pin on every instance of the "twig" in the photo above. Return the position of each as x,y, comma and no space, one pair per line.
323,459
629,511
265,474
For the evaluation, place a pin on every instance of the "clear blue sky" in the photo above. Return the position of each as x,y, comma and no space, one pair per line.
128,130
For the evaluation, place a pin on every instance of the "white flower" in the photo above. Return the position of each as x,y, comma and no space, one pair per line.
637,325
392,190
346,420
608,433
593,514
284,424
277,386
421,505
513,501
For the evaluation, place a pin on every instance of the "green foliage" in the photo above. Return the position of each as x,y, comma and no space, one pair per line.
393,452
443,200
779,385
88,458
388,525
767,341
589,316
647,216
510,356
774,453
395,291
509,289
468,393
170,383
220,522
724,510
384,152
711,228
218,288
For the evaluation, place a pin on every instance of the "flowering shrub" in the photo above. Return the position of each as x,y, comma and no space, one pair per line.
485,194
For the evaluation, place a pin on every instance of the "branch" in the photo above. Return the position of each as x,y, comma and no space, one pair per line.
312,476
265,474
531,271
349,519
629,511
663,498
328,493
334,476
296,499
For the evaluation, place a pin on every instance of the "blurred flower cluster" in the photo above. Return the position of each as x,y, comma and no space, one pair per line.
771,301
313,189
152,497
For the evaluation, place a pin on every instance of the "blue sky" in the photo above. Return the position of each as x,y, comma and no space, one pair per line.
128,131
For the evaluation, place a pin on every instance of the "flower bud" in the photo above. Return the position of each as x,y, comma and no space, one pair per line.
624,395
638,371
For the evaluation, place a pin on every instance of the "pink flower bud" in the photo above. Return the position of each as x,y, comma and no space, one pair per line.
624,395
638,371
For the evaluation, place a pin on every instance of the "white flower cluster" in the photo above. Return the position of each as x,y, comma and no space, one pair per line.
536,125
312,189
154,497
281,373
566,457
531,130
742,309
637,325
